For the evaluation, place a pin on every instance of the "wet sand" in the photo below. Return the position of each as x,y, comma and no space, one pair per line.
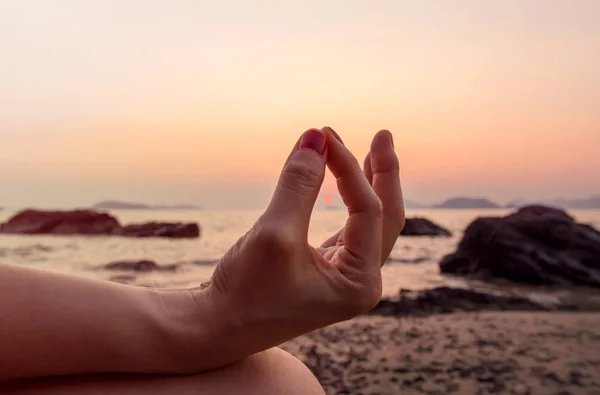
461,353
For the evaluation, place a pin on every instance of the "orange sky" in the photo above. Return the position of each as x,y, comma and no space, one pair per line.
200,102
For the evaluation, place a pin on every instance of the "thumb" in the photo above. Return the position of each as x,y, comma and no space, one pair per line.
300,182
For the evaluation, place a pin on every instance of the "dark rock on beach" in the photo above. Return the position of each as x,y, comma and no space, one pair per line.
143,265
536,245
88,222
80,222
162,229
423,227
450,300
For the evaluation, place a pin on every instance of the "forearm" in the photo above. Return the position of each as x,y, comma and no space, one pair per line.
53,324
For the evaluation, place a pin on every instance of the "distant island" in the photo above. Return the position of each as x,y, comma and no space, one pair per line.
588,203
459,202
117,205
592,202
467,202
412,204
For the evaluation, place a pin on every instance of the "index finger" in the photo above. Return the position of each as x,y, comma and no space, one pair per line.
363,230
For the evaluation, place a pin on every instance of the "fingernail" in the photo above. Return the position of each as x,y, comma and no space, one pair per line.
337,136
391,137
314,140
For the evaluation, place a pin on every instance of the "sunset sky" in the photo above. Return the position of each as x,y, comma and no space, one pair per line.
200,101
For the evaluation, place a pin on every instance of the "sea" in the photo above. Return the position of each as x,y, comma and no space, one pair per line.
413,264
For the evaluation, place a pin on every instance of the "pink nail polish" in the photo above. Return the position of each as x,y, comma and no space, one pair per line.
337,136
314,140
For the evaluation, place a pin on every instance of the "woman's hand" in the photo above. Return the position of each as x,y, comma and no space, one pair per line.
272,285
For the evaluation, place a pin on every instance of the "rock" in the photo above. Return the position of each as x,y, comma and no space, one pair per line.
536,245
88,222
423,227
78,222
162,229
143,265
449,300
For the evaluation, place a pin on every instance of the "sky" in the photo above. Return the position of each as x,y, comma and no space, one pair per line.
192,101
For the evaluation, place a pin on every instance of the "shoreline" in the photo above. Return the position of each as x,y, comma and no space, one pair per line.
485,352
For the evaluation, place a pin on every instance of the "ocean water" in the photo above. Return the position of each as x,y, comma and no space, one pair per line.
82,256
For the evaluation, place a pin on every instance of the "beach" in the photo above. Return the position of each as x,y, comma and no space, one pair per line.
432,334
489,352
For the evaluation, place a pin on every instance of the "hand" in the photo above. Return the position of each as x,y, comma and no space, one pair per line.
272,286
381,169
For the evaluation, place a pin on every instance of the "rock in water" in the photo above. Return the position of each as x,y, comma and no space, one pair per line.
88,222
143,265
450,300
536,245
78,222
423,227
162,229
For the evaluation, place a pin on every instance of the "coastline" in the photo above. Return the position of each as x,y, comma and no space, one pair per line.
457,334
461,353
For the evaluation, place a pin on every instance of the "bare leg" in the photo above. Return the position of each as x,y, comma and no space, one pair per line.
270,372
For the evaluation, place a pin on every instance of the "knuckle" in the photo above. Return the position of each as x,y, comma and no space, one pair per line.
374,206
301,178
389,165
275,240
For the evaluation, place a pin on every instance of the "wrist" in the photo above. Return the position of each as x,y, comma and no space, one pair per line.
240,326
226,330
187,328
202,330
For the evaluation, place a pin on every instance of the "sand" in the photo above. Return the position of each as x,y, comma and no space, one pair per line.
461,353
